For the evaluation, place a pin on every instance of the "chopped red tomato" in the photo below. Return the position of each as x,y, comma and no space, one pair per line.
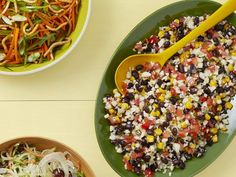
180,76
173,92
181,134
147,123
148,173
129,139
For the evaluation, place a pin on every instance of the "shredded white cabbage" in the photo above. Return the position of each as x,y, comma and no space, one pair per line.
26,161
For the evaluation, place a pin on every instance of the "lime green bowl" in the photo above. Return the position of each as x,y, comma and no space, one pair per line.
82,22
144,29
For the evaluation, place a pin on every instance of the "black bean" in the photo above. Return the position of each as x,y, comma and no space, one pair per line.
146,109
193,69
139,87
150,132
231,30
58,173
192,55
193,90
216,41
126,99
146,158
196,21
145,82
159,82
153,167
181,164
219,27
130,96
215,53
208,35
199,152
175,162
173,100
220,89
206,90
164,160
130,85
187,155
205,64
139,67
166,44
200,38
181,68
199,80
135,74
165,124
121,142
222,70
148,88
129,126
169,116
119,130
174,131
149,48
210,142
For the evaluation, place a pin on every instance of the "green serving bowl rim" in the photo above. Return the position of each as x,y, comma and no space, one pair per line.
224,139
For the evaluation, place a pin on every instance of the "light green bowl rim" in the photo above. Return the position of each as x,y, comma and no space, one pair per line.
62,53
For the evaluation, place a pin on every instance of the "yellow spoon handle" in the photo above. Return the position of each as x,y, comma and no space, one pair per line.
219,15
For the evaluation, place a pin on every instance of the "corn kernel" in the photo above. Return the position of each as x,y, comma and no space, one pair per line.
223,95
197,44
124,106
233,54
192,145
150,138
184,56
155,113
228,105
218,99
117,119
184,125
226,79
188,105
132,78
217,118
223,129
213,83
161,34
154,105
126,157
158,132
172,80
111,111
215,139
160,145
230,67
211,48
115,91
167,28
176,20
161,90
207,117
133,145
161,98
214,130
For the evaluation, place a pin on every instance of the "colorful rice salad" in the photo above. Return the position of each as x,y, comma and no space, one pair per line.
169,115
24,160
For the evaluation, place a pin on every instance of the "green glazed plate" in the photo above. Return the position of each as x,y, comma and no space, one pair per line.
82,22
144,29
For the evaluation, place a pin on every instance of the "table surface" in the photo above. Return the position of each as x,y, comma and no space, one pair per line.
59,102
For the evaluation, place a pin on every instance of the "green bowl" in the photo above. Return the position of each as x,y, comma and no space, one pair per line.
144,29
82,22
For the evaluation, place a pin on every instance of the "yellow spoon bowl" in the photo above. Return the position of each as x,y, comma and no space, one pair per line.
162,58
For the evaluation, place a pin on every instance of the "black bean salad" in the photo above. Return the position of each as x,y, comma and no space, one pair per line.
169,115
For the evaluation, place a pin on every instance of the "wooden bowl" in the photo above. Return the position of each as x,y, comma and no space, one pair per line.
44,143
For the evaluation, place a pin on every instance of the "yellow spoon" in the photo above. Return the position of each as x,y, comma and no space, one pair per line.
134,60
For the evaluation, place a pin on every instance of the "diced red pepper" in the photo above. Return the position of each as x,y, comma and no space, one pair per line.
180,76
173,91
181,134
148,173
